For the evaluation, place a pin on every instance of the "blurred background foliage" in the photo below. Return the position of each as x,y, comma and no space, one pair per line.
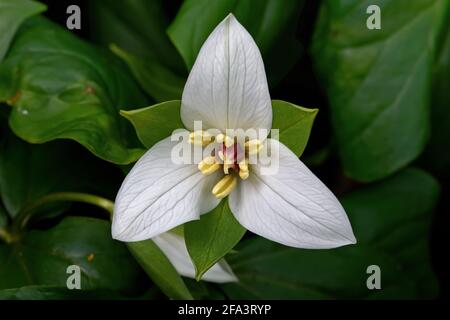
380,142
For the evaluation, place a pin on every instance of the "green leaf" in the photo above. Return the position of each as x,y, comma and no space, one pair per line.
209,239
391,233
295,124
137,30
379,98
159,269
159,82
3,216
154,123
28,172
40,293
272,23
136,26
61,87
12,15
59,293
437,156
202,290
42,257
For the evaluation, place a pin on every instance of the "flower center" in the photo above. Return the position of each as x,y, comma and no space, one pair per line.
229,156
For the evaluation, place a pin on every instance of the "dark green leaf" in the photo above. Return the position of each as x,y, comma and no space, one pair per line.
28,172
12,15
154,123
204,290
295,124
378,81
209,239
137,30
42,257
438,154
62,87
136,26
159,269
3,217
272,24
382,218
58,293
159,82
391,233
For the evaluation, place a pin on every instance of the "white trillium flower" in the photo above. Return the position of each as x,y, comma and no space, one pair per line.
227,89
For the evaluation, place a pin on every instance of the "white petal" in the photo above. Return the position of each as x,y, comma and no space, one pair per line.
227,86
292,207
158,195
175,250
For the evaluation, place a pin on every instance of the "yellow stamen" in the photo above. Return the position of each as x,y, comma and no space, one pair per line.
243,166
243,174
243,170
221,138
208,165
253,146
224,186
200,138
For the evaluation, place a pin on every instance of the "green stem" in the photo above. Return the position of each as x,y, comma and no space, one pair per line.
27,212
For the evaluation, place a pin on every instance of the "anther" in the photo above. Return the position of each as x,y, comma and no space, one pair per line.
253,146
243,166
243,174
208,165
224,186
243,170
221,138
200,138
